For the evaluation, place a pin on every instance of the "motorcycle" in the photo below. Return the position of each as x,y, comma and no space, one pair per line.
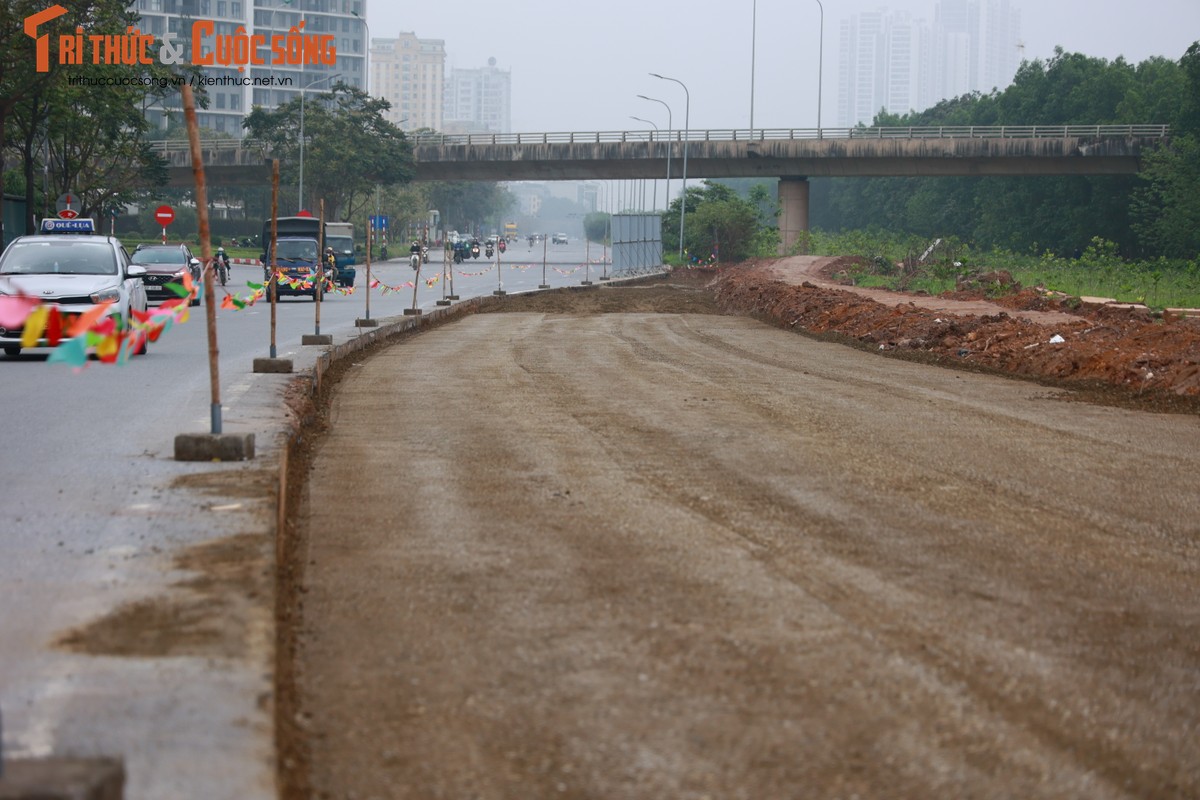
383,253
424,254
475,250
223,268
414,260
489,251
458,255
502,246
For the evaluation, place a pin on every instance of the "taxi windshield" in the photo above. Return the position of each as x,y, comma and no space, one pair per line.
66,257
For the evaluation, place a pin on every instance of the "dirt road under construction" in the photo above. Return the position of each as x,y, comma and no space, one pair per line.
673,552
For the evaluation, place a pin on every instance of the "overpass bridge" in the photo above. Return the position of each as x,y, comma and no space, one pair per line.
791,156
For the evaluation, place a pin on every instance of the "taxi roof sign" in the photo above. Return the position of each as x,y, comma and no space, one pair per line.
78,225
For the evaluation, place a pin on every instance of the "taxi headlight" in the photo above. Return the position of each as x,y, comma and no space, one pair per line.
110,295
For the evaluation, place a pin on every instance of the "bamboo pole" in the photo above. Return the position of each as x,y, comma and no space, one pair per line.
210,309
274,241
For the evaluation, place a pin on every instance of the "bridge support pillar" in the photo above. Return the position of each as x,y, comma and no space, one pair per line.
793,217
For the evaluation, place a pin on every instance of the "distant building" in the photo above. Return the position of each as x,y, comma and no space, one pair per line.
478,100
229,104
893,62
409,73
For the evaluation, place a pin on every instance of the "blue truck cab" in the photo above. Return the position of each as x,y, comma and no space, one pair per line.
296,257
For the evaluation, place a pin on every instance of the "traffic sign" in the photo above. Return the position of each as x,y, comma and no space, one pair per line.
68,206
164,215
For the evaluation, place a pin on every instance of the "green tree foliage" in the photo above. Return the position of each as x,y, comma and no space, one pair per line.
1150,215
349,148
721,223
469,205
95,136
1166,206
597,226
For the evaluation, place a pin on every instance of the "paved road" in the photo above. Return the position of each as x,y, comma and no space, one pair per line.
675,555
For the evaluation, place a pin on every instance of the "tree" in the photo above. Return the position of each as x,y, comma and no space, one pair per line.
349,147
720,223
1059,213
19,78
597,226
469,205
91,141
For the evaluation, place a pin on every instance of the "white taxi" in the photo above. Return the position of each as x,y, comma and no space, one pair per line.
71,267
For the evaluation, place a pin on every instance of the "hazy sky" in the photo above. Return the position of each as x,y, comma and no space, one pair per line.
580,66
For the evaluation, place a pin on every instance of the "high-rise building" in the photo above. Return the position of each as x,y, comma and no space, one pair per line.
229,103
478,100
410,74
892,62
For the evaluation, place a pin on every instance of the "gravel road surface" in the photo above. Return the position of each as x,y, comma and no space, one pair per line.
672,553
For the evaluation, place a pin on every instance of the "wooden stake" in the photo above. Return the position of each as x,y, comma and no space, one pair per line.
210,309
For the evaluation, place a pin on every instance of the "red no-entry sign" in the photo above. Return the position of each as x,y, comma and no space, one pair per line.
164,215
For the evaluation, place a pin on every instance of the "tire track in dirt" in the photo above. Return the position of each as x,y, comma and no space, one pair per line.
871,611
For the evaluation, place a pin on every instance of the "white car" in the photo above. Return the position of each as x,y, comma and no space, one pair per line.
559,238
71,268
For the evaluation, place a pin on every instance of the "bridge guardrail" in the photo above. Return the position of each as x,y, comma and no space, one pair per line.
738,135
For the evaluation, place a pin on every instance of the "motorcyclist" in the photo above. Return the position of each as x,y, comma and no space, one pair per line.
414,254
330,264
222,265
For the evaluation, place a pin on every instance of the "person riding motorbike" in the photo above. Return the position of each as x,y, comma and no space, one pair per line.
501,245
489,251
414,254
222,261
474,248
330,265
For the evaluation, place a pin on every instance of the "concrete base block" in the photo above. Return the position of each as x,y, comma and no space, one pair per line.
63,779
316,338
214,447
585,283
543,286
272,365
606,279
499,293
366,323
443,302
451,297
412,312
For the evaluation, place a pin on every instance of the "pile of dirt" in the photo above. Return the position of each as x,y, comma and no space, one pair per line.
1126,356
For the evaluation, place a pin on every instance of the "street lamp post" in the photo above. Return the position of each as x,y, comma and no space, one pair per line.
687,114
366,54
820,65
314,82
670,128
654,203
753,45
